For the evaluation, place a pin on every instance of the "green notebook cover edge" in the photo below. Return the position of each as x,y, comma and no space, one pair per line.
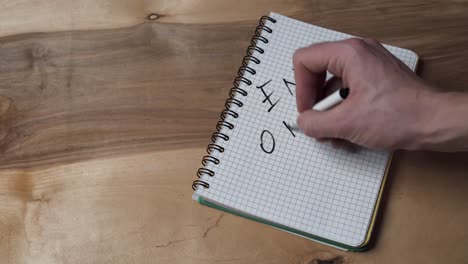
360,248
282,227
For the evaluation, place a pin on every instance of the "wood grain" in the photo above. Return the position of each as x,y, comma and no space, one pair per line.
104,119
25,16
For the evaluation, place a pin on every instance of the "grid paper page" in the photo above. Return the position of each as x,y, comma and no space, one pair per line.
302,184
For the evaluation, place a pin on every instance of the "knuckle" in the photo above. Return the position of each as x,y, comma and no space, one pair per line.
298,54
371,41
355,42
355,46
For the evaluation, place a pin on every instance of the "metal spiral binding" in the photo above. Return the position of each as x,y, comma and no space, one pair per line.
232,101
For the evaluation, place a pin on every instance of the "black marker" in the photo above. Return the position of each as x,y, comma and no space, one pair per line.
329,102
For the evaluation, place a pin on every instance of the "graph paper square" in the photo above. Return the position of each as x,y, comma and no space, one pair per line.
302,184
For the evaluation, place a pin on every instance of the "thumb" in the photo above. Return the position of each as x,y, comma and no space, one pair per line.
322,124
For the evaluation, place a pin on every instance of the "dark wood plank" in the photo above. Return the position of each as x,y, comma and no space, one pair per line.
81,94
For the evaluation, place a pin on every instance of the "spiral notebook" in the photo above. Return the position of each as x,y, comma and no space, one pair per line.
259,168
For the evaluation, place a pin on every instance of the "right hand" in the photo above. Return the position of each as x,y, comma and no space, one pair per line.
389,106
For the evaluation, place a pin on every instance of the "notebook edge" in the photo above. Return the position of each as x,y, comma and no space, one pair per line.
309,236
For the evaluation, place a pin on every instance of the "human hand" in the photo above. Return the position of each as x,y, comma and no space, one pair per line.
388,104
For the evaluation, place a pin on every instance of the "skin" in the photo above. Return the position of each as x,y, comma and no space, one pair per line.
389,106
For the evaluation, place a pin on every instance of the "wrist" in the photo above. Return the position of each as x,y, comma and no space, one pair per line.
444,122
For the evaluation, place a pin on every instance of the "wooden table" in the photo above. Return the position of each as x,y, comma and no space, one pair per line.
105,114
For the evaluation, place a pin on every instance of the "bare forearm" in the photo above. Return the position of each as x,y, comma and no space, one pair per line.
446,128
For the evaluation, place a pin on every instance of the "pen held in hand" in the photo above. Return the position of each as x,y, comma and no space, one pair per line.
327,103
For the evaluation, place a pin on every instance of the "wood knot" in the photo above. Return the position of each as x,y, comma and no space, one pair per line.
153,16
39,52
335,260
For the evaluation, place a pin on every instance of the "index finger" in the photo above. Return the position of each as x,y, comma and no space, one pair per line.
310,67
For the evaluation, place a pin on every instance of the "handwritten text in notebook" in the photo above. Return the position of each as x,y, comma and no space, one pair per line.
267,133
